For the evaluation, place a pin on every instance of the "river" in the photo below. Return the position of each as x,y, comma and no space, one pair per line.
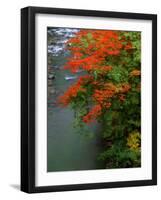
66,149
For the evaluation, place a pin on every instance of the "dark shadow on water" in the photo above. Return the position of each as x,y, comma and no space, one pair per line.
15,186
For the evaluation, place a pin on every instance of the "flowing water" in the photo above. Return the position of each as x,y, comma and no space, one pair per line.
66,149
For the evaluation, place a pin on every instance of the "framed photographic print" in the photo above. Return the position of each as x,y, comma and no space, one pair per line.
88,99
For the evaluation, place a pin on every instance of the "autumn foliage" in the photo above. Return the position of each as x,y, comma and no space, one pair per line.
109,92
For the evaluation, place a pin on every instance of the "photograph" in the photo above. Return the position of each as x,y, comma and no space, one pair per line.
89,99
93,99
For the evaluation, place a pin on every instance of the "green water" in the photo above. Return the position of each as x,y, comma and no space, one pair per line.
67,149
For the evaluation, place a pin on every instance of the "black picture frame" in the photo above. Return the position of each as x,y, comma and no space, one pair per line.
28,98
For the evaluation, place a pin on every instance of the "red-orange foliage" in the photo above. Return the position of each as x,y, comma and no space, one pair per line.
89,51
72,92
92,114
103,43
